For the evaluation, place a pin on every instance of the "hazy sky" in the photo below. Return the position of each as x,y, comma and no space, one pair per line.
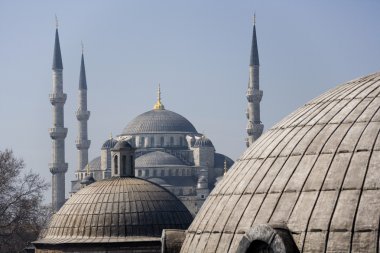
198,51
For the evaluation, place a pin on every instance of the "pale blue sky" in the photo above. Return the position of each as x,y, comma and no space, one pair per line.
197,50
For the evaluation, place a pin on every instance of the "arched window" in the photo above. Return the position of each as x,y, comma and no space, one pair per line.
162,141
162,173
147,173
177,172
152,141
115,161
259,247
139,173
124,165
181,141
171,141
142,141
154,173
170,172
132,161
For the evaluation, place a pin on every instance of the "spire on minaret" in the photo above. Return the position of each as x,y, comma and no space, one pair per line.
82,75
57,58
254,61
158,105
254,94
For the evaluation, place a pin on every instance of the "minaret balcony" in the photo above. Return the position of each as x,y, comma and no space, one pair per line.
58,133
254,95
57,98
82,144
255,128
83,115
58,167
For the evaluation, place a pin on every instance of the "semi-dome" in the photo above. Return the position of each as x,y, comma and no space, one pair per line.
203,142
157,159
159,121
94,164
314,178
116,210
110,143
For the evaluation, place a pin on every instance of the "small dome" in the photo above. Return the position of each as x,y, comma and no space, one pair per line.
157,159
159,121
202,183
203,142
87,180
316,172
95,164
122,145
110,143
118,208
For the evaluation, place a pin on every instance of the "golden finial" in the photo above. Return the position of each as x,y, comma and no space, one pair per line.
56,21
254,18
88,169
225,167
158,105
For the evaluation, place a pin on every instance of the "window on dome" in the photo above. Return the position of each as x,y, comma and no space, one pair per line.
115,161
154,173
177,172
181,141
259,247
171,141
170,172
162,141
142,141
124,165
147,173
152,141
139,173
162,173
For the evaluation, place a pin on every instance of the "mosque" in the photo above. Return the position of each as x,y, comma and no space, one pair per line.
311,183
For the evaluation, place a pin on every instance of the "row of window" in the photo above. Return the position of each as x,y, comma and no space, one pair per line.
164,172
152,142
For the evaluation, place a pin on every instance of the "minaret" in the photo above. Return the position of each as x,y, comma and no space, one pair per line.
83,115
58,166
254,94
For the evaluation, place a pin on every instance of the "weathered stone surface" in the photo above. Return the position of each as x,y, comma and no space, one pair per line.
317,171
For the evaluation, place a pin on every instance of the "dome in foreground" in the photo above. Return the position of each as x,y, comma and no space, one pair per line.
159,121
116,210
313,179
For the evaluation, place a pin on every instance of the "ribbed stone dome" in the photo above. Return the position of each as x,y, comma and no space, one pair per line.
317,172
159,121
156,159
116,210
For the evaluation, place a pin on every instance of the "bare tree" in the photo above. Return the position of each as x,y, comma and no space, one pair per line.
22,213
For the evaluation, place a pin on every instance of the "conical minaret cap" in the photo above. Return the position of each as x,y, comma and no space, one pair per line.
57,58
82,76
254,61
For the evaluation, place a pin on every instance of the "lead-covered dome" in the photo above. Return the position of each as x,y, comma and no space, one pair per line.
157,159
314,176
159,121
116,210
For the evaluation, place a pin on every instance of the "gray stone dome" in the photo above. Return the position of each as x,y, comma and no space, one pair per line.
159,121
123,144
314,176
157,159
116,210
203,142
95,164
110,143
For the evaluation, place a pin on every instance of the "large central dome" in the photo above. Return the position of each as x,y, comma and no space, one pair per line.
159,121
